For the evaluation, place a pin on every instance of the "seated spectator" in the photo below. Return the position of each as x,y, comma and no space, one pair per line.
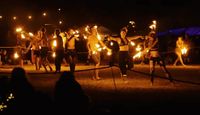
26,99
69,96
4,88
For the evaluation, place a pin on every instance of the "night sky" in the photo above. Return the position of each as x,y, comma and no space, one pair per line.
111,13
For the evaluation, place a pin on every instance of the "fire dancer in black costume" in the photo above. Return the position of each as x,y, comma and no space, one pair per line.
124,56
59,51
155,56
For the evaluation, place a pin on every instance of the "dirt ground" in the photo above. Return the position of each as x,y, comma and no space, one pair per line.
112,94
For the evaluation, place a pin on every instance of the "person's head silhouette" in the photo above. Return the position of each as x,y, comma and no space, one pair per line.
18,74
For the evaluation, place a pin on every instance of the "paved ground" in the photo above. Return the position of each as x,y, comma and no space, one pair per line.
135,95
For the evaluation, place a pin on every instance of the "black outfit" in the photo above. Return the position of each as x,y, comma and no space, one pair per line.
115,50
44,52
59,53
69,95
156,58
71,56
124,58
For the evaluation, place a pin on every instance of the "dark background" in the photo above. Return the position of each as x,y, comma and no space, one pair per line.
111,13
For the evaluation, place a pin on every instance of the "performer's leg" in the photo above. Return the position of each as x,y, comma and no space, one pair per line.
97,66
97,71
57,63
33,57
43,62
88,59
96,58
71,58
112,58
48,64
37,61
21,62
72,64
177,59
163,66
130,62
180,58
152,69
122,65
74,59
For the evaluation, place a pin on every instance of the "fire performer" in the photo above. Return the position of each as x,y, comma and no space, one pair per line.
95,45
125,60
59,51
155,56
71,54
36,49
179,47
44,42
22,47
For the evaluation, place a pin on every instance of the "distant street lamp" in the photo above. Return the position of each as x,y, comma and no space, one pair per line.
60,22
14,17
29,17
44,14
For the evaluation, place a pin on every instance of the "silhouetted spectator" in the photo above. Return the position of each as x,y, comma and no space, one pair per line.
22,92
26,99
4,87
69,96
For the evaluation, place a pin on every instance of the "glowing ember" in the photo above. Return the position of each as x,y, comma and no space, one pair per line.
54,54
132,43
54,43
138,48
138,55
